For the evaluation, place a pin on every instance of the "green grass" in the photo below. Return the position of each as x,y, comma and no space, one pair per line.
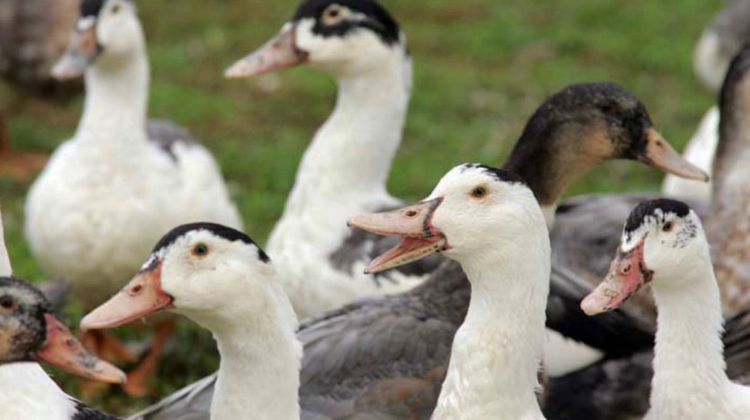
481,68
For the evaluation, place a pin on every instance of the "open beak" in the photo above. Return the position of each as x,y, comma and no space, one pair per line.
279,53
82,50
627,274
413,225
66,352
660,154
141,297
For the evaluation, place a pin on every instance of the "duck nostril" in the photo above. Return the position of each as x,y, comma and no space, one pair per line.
137,288
70,343
626,269
411,213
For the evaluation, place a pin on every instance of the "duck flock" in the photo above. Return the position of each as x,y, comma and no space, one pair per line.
492,298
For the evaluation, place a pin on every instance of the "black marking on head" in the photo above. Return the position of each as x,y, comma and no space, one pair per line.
378,19
648,209
30,308
91,7
499,174
225,232
84,412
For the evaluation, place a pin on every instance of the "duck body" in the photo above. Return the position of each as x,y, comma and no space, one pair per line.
220,279
111,188
664,244
387,356
345,168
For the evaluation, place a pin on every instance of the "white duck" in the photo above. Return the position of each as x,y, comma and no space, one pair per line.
345,168
32,333
718,44
219,278
113,187
664,245
489,221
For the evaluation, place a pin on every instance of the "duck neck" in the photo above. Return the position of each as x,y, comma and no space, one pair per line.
497,350
114,115
550,155
260,363
733,151
689,356
351,153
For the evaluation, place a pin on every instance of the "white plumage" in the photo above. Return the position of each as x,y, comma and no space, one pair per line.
110,192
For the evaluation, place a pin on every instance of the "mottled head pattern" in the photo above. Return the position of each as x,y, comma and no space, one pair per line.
22,324
221,231
338,18
659,215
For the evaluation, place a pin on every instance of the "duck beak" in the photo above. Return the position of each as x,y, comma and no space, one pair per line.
660,154
66,352
82,50
413,225
279,53
627,274
141,297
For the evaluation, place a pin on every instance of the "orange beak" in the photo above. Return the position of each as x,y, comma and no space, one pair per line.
139,298
279,53
66,352
627,274
660,154
413,225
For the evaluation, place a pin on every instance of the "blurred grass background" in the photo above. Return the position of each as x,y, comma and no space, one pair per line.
481,68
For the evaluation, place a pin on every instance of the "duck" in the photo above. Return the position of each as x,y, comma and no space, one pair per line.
713,53
489,221
724,218
35,334
664,245
725,228
220,279
361,45
362,359
33,34
115,187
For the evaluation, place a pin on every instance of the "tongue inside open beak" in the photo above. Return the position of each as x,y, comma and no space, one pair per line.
413,225
627,274
63,350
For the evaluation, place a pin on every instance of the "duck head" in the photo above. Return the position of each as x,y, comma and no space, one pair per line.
198,270
340,37
29,331
473,209
662,240
582,126
107,33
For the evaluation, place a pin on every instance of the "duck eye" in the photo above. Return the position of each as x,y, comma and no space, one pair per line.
479,192
200,250
6,302
333,15
667,227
